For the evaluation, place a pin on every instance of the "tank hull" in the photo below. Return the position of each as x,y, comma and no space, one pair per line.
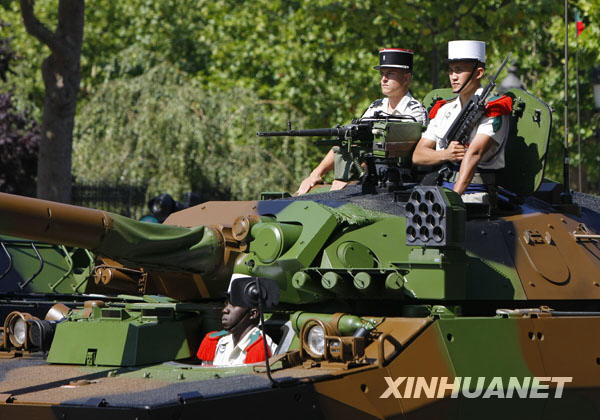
511,350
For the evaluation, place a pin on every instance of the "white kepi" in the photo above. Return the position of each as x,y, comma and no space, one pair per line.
466,50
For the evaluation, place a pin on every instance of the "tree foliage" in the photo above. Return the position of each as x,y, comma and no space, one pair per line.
19,136
164,129
7,57
19,140
316,56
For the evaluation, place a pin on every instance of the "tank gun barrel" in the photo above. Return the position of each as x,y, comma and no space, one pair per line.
52,222
198,250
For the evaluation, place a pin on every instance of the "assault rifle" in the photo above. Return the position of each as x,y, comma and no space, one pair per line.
463,125
359,140
471,113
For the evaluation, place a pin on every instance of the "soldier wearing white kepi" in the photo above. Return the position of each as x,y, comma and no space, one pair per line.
476,162
395,69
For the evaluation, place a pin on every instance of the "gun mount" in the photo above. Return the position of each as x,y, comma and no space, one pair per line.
387,140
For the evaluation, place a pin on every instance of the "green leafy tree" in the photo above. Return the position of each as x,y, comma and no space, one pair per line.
316,56
163,129
19,140
19,136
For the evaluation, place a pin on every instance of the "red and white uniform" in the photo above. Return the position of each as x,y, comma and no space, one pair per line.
494,124
217,348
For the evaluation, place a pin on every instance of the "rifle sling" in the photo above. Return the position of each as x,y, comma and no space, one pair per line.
469,79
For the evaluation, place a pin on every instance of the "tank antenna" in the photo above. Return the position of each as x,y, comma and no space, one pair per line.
566,195
262,331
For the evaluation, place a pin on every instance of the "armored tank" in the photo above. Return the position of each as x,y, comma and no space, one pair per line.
399,303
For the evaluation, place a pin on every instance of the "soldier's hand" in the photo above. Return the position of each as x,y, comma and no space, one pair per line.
308,183
455,152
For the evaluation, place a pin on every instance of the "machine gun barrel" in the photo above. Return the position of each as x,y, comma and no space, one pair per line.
360,131
312,132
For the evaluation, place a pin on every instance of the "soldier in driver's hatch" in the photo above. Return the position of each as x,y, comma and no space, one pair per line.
475,163
395,68
240,342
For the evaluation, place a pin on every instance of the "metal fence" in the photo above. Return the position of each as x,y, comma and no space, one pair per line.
128,200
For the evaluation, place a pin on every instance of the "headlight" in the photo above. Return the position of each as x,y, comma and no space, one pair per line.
16,328
315,340
313,336
19,332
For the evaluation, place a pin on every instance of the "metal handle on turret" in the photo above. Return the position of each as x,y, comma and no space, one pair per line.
382,360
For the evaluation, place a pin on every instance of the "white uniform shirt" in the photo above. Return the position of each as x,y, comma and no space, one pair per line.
495,127
228,354
407,106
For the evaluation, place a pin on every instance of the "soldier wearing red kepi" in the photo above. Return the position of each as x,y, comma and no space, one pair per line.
395,69
240,342
476,162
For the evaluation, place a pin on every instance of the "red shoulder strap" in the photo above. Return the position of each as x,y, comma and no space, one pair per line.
255,352
433,111
208,346
498,107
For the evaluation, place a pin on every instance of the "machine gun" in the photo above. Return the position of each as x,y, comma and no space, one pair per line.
463,125
357,131
383,138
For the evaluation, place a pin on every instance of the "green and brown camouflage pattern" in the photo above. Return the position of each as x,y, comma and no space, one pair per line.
511,296
441,345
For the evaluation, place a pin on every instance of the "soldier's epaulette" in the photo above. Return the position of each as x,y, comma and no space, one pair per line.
498,106
413,105
254,337
376,103
215,335
208,346
255,351
436,107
